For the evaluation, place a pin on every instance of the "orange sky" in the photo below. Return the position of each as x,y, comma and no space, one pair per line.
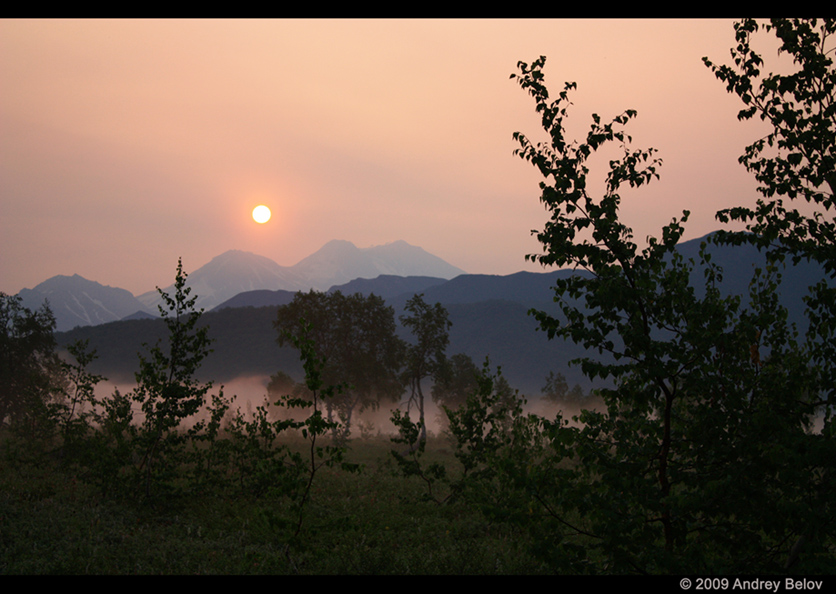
127,144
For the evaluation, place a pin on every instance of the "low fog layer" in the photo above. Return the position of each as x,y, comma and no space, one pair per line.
251,392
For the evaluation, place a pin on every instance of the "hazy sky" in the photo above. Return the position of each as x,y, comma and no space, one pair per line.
127,144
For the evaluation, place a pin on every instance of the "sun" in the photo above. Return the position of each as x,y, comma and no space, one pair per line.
261,214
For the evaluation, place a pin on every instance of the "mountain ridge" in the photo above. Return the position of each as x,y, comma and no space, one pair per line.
77,301
339,265
489,315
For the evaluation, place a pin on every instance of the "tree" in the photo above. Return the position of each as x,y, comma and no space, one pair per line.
167,389
96,433
493,437
30,371
495,440
355,337
426,358
281,385
330,456
557,390
796,160
455,380
77,408
684,471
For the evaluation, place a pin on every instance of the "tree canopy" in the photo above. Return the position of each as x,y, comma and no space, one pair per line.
796,159
355,337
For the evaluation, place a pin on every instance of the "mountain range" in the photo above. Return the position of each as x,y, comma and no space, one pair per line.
76,301
489,315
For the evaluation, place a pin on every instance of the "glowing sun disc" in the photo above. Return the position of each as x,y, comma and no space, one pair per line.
261,214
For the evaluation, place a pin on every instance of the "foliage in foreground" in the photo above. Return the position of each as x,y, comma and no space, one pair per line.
705,459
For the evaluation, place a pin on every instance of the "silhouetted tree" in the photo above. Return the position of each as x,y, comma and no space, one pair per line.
426,357
167,389
355,338
30,370
711,402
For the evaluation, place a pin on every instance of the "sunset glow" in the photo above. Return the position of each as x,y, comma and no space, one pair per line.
129,143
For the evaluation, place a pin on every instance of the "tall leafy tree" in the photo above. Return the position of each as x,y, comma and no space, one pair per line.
795,161
685,469
797,158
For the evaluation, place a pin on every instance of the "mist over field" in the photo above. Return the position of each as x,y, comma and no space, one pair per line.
251,392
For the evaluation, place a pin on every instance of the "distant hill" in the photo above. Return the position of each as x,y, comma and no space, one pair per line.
76,301
258,298
522,287
244,344
139,315
389,286
385,285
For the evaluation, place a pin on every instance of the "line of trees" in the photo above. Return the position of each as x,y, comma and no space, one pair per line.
171,434
355,335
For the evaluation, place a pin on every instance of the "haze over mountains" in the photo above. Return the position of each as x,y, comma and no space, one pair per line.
76,301
489,312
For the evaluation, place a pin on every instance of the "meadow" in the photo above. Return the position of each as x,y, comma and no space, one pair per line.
372,522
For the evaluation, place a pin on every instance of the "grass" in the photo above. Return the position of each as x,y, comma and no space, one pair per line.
374,522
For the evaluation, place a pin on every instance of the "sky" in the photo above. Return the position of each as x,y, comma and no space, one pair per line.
127,144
